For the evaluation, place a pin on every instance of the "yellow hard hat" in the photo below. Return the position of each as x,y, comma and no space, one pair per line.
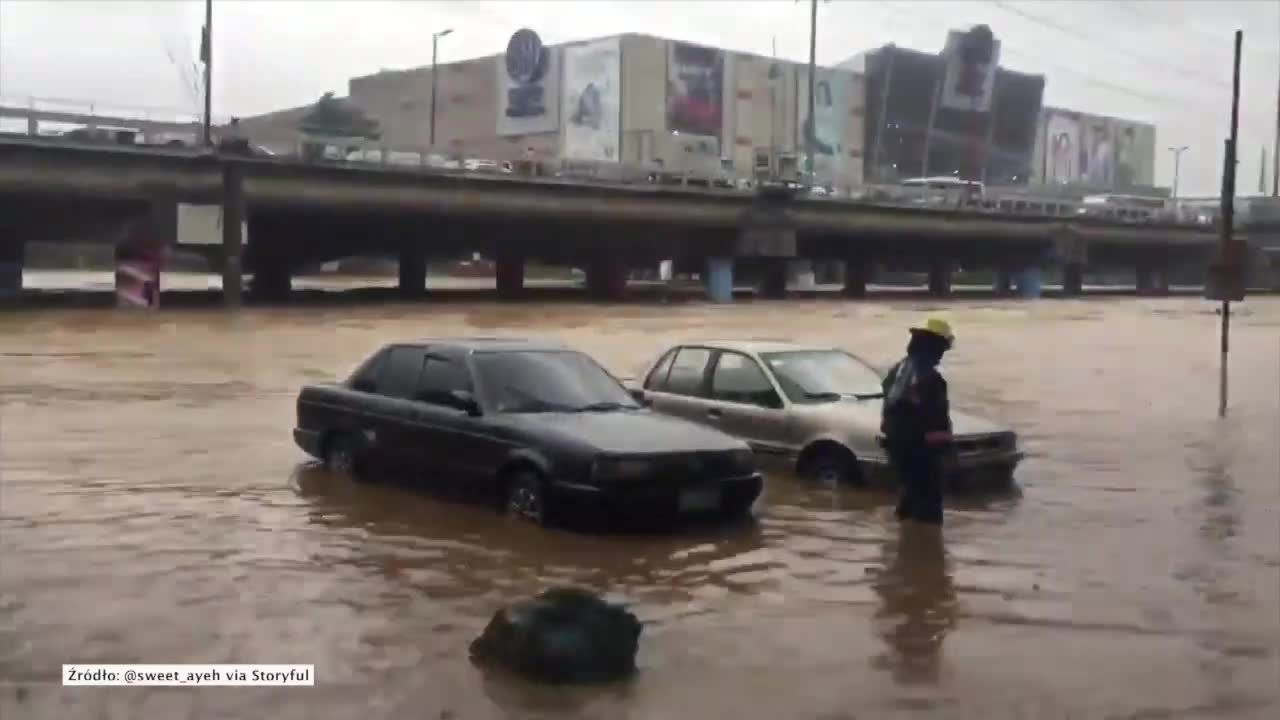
939,327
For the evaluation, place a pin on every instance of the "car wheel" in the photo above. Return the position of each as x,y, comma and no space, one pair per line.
342,458
832,467
526,498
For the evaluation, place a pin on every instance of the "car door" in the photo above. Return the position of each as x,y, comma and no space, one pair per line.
392,434
744,403
455,446
682,389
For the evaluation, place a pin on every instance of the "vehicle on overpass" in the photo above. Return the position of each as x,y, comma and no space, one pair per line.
538,429
816,407
1126,208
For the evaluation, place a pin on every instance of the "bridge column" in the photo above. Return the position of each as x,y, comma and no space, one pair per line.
1003,283
12,258
33,126
413,272
719,279
1073,280
940,278
1030,282
606,278
773,278
272,277
508,270
232,236
857,273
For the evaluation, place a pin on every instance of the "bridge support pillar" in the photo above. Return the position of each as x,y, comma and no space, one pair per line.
606,278
1003,283
857,273
12,258
413,272
940,278
1073,280
773,278
232,237
1030,282
719,279
508,271
272,279
1153,279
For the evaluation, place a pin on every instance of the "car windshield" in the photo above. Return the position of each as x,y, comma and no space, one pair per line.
810,376
550,381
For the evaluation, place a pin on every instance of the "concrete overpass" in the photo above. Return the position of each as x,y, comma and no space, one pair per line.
300,214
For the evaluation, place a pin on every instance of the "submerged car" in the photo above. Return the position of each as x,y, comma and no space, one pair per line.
818,407
536,428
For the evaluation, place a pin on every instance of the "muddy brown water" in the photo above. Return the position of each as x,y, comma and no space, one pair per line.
153,509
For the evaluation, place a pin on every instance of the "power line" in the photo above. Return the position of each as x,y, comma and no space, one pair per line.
1049,23
1131,8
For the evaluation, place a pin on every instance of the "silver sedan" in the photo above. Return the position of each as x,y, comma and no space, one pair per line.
817,407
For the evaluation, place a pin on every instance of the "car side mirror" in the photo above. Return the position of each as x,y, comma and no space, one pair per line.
465,401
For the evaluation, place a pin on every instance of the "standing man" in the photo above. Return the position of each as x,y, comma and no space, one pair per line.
916,422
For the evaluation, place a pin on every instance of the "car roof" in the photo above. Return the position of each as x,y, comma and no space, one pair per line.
763,345
491,344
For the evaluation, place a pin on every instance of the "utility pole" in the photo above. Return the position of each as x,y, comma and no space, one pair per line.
1275,149
435,39
1177,166
206,54
811,136
1229,251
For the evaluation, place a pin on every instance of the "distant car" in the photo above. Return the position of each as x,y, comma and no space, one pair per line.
818,407
536,428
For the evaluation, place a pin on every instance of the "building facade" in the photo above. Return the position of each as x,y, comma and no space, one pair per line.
955,113
631,99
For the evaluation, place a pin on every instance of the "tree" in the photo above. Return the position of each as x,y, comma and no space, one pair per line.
332,117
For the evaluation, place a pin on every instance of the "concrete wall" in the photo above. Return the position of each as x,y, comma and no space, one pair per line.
644,91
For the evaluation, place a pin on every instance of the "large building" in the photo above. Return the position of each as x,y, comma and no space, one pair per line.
955,113
635,100
630,98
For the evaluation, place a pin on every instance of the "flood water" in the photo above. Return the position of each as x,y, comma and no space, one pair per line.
153,509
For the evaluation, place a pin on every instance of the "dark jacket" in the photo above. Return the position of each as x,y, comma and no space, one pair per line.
915,396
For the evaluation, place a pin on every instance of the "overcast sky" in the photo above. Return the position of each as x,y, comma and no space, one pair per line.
1163,62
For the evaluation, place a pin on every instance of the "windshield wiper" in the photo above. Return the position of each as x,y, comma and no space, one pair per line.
869,396
827,396
604,406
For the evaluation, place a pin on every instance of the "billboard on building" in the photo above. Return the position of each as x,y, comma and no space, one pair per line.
592,100
695,90
1062,147
1135,145
972,58
528,86
831,91
1098,161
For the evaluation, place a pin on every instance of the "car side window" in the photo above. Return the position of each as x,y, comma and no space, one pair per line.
687,371
365,377
658,376
400,370
440,377
739,379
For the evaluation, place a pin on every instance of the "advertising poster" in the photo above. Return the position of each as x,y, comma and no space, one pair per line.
831,92
1062,148
528,86
695,90
1098,166
1134,154
969,81
592,99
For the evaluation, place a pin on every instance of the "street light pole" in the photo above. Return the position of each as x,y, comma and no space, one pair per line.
206,52
1177,164
811,135
435,39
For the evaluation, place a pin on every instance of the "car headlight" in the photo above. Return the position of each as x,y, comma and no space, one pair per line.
607,469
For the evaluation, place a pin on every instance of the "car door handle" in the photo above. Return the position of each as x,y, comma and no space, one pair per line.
714,413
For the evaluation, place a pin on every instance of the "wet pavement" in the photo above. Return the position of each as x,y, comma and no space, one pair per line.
153,509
